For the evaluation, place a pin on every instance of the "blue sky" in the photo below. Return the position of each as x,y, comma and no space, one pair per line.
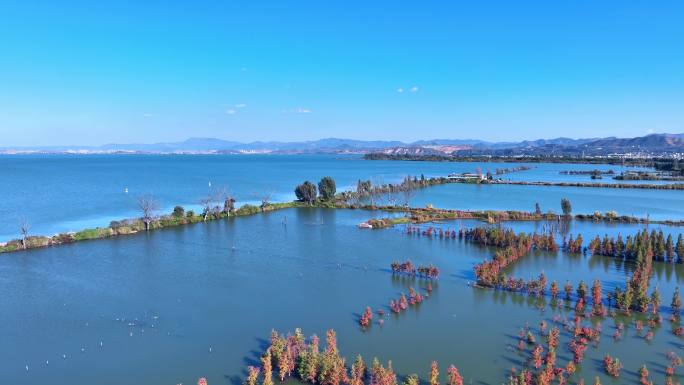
146,71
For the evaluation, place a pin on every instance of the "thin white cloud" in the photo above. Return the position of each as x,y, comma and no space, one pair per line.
148,115
230,111
240,105
299,110
413,89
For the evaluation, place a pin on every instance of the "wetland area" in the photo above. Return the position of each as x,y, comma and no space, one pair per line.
200,300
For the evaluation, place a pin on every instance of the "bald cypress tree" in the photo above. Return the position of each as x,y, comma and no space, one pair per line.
676,303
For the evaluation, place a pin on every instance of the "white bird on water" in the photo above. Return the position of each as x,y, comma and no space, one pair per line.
125,190
209,183
27,368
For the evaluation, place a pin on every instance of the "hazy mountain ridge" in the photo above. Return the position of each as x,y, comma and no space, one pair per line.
653,143
650,143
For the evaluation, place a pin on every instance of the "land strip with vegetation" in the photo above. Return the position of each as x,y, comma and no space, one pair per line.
390,198
668,186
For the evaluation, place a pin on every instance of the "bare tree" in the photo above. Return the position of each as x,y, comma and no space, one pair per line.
217,200
206,203
223,198
147,206
364,189
24,227
265,197
391,197
376,192
408,190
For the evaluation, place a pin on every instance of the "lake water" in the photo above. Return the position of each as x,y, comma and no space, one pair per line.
170,306
655,204
59,193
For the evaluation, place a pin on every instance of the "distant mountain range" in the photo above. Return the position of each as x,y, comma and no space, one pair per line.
654,143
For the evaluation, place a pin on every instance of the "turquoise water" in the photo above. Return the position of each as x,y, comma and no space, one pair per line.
58,193
173,305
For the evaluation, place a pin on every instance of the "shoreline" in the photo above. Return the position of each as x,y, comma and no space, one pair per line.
342,200
645,186
414,215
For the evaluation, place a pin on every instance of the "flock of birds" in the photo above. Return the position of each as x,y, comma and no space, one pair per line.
128,322
135,322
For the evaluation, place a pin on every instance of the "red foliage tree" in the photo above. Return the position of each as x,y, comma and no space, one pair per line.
454,376
434,373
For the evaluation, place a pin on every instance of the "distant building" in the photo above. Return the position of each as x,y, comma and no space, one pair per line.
466,176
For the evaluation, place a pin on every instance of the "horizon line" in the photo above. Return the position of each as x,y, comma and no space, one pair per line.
236,142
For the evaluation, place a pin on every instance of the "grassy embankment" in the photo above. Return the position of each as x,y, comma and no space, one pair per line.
426,215
341,200
136,225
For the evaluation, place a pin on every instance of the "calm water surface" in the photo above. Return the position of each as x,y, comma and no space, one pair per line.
655,204
58,193
176,304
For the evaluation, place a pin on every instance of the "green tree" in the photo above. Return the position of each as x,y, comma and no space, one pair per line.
327,188
178,212
306,192
628,297
655,300
566,207
676,302
669,248
582,290
229,205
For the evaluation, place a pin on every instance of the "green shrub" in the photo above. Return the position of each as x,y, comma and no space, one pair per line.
93,234
172,220
247,209
12,245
